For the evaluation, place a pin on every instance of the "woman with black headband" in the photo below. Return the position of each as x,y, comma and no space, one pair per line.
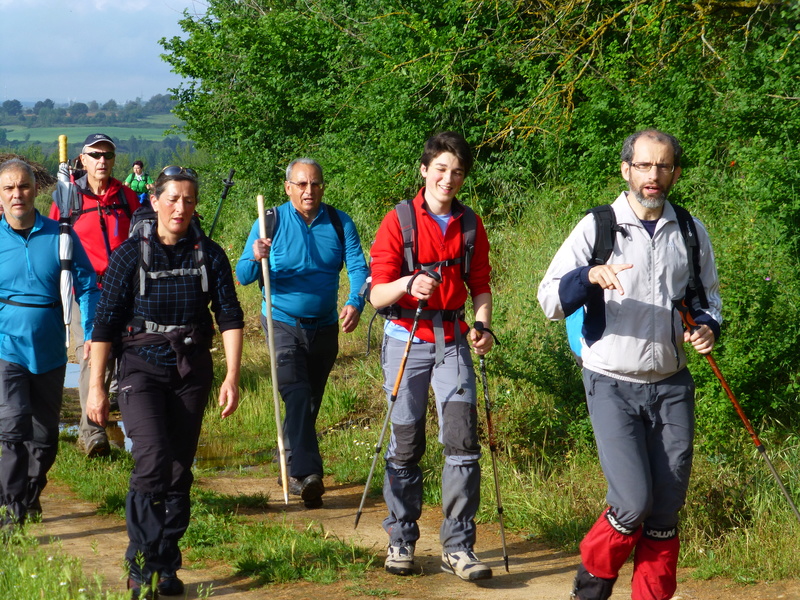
154,312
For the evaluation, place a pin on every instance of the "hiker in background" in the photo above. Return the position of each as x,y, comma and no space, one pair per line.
307,244
102,224
439,356
164,329
639,393
33,355
140,182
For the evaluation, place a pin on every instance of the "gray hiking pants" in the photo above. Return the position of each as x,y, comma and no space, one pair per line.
644,434
88,430
458,432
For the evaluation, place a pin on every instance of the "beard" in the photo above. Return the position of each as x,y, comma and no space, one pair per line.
652,201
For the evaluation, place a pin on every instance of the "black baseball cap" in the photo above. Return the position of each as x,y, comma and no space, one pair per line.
96,138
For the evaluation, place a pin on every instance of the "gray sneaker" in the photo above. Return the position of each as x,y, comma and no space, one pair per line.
400,559
465,565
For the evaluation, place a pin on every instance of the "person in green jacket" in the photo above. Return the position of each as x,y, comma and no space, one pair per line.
139,181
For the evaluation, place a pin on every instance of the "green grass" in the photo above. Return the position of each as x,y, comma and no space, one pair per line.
736,523
77,133
28,571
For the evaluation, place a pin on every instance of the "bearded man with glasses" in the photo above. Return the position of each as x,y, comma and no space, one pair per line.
639,393
102,224
310,243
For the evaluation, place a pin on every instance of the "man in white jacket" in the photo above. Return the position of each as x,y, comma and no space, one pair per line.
639,393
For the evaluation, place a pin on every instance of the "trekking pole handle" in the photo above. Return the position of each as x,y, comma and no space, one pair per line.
62,148
227,183
481,327
435,275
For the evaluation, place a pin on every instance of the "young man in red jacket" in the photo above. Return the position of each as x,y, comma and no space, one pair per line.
102,224
439,356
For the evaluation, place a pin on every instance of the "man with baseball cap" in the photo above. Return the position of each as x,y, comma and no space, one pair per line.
102,224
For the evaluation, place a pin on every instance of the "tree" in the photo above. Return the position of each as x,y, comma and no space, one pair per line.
93,106
43,104
545,92
78,109
12,107
160,104
110,106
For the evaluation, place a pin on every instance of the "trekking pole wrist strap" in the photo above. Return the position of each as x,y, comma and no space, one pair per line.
479,326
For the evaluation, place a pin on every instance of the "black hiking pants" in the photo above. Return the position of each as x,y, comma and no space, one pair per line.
163,414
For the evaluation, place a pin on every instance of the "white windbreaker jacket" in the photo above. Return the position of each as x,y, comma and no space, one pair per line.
637,336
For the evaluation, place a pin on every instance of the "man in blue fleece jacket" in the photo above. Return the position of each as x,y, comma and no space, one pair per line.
306,254
33,353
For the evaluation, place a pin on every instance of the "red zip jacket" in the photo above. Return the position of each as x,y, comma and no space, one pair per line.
88,224
387,261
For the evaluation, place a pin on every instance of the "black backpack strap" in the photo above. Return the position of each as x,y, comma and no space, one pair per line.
270,227
606,229
469,226
336,221
200,253
123,202
689,232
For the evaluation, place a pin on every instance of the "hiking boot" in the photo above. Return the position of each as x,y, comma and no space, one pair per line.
466,565
170,585
311,491
295,486
98,446
139,592
35,510
399,559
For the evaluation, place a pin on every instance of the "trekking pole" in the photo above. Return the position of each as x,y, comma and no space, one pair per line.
65,198
479,326
273,365
392,399
692,325
227,183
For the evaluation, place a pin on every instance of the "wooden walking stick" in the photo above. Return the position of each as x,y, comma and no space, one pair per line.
273,364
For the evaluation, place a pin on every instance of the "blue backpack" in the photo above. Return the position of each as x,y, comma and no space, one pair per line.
606,229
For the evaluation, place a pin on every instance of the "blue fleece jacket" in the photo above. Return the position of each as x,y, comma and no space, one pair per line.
34,336
304,266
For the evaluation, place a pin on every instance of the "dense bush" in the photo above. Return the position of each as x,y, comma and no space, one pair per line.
546,93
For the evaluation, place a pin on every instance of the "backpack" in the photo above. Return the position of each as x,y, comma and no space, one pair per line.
271,225
410,265
408,227
143,221
122,202
606,229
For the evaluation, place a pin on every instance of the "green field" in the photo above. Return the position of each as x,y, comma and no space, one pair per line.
153,133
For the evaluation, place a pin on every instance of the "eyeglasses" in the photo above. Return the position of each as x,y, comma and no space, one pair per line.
315,185
173,170
644,167
98,155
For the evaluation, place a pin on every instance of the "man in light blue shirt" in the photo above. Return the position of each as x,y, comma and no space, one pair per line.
33,353
307,248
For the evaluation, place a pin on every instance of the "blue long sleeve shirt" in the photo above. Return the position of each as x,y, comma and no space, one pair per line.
304,266
34,336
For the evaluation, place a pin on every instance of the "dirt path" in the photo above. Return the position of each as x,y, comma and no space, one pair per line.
536,572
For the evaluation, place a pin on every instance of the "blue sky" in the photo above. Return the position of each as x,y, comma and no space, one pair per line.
83,50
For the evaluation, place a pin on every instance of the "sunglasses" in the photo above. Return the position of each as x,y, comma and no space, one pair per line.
98,155
173,170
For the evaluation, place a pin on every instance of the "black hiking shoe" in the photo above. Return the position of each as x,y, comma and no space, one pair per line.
170,586
312,490
141,592
295,486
